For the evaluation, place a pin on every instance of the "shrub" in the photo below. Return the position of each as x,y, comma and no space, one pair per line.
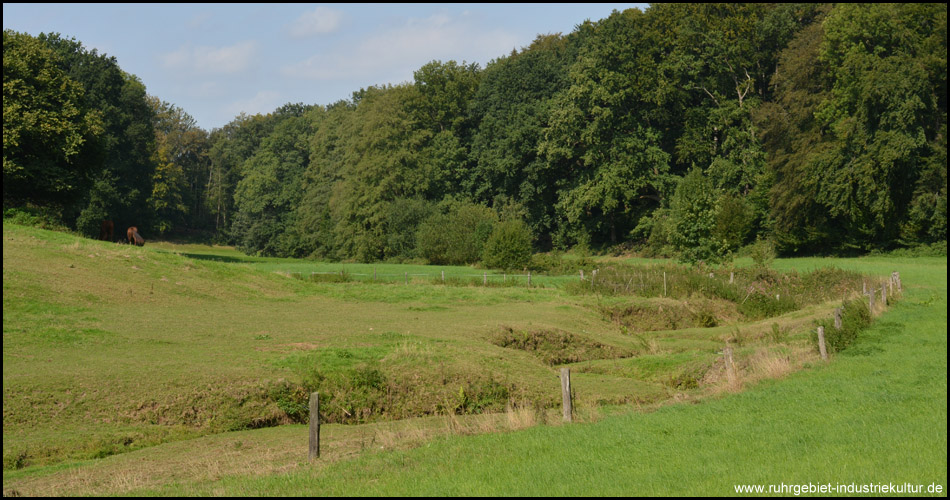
762,253
456,236
855,317
402,223
693,219
733,221
509,246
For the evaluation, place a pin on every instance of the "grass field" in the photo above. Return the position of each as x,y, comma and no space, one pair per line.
129,370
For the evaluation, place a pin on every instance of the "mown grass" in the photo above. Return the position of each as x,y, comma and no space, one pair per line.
110,350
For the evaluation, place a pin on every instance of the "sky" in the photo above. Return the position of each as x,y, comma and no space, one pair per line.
217,60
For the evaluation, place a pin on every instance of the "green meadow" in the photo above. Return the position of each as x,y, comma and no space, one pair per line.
183,370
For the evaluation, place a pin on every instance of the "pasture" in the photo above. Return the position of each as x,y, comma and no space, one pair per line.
180,369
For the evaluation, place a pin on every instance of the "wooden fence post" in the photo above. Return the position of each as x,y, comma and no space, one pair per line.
664,283
821,343
374,273
485,278
443,276
314,425
871,302
838,318
529,278
407,277
730,366
731,277
566,394
582,275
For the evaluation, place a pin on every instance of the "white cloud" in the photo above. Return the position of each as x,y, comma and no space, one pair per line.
212,60
319,21
263,102
404,49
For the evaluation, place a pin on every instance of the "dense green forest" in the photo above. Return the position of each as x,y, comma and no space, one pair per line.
688,130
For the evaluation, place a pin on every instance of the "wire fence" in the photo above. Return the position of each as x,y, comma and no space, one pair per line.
484,278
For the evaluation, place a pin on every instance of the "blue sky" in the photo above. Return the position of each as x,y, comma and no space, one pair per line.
217,60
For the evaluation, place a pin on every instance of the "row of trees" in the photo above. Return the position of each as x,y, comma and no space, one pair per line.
688,129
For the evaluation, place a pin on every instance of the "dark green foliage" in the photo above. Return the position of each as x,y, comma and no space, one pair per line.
482,396
47,123
685,130
457,234
734,220
270,189
693,220
403,219
510,107
856,132
509,246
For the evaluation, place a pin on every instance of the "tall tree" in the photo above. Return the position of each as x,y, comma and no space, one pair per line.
182,169
46,124
231,146
269,191
601,132
125,150
511,109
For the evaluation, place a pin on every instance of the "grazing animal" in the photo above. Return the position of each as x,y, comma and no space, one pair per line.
134,237
105,230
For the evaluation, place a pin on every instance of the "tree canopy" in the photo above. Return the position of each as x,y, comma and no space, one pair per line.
685,129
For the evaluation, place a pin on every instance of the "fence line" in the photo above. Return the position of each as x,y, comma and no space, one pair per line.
431,274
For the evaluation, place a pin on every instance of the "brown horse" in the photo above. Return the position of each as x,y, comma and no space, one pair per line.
134,237
105,230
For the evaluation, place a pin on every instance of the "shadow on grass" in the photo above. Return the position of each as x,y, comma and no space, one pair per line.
222,258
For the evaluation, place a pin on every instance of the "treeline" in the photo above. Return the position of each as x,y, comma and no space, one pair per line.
688,129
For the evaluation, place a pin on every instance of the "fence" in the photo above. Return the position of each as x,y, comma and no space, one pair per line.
567,394
485,278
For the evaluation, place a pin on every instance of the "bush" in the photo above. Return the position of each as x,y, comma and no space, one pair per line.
762,253
855,317
457,236
43,218
693,220
655,231
509,246
733,221
402,223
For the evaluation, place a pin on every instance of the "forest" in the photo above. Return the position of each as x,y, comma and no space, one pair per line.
685,130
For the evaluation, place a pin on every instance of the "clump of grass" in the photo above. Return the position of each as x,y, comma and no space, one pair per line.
555,264
855,317
777,334
649,317
766,364
757,293
645,346
556,347
341,277
688,376
668,315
